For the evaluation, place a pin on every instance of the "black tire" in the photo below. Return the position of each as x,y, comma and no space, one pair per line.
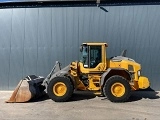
69,89
109,86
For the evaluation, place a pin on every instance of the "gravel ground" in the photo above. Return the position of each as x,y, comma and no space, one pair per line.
142,105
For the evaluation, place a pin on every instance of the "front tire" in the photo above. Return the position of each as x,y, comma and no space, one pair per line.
117,89
60,89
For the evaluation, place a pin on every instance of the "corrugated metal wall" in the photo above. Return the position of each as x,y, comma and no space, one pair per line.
32,39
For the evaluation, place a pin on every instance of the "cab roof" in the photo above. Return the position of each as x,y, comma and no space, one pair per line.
95,43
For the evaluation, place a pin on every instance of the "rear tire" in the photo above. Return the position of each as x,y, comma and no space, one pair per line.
117,89
60,89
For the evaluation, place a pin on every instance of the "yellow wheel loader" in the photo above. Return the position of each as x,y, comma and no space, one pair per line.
113,77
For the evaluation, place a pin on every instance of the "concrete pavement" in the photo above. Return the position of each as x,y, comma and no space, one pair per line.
142,105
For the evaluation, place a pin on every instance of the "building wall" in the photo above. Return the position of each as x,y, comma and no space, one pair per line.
32,39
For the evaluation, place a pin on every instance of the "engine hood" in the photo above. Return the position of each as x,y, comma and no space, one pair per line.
120,58
123,62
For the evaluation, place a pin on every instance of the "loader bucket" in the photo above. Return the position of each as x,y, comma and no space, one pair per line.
29,88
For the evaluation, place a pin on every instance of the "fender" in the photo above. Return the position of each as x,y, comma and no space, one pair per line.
109,71
63,72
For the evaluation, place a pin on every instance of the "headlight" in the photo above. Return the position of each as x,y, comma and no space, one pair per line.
139,73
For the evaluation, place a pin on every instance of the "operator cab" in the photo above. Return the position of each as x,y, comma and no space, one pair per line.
92,54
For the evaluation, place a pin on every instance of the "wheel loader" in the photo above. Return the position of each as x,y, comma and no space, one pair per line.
113,77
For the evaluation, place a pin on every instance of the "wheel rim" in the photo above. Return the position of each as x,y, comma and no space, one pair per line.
118,89
59,89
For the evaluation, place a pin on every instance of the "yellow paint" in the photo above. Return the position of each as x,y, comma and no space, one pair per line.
117,89
94,74
124,64
95,43
143,82
59,89
80,85
94,81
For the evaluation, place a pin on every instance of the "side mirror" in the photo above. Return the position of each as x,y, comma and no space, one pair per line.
81,48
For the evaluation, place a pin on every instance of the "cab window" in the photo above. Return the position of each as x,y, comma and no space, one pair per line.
95,56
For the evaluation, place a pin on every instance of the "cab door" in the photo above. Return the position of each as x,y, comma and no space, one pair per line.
95,56
93,59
